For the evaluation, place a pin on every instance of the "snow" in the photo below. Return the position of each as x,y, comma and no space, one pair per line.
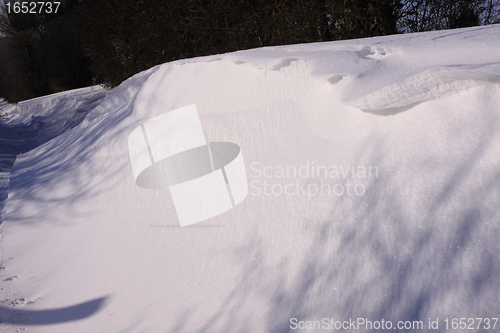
31,123
407,125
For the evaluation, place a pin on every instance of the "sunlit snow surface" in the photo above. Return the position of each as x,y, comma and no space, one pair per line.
84,249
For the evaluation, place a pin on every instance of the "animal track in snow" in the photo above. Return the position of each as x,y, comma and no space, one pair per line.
12,278
15,302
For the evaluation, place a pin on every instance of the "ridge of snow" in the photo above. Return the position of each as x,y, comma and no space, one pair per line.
422,242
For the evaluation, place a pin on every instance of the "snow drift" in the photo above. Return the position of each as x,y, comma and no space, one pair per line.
373,166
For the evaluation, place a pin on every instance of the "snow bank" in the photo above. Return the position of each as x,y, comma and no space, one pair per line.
29,124
372,165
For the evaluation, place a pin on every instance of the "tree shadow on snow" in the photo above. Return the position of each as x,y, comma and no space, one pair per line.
53,316
67,157
21,138
399,253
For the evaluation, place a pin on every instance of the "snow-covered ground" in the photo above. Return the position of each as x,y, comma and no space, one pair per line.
29,124
374,173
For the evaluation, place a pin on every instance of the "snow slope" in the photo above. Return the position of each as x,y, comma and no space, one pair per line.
407,126
29,124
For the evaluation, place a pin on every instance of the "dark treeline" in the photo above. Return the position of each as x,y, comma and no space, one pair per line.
106,41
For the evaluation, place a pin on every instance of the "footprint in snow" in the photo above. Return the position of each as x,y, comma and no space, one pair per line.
12,278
